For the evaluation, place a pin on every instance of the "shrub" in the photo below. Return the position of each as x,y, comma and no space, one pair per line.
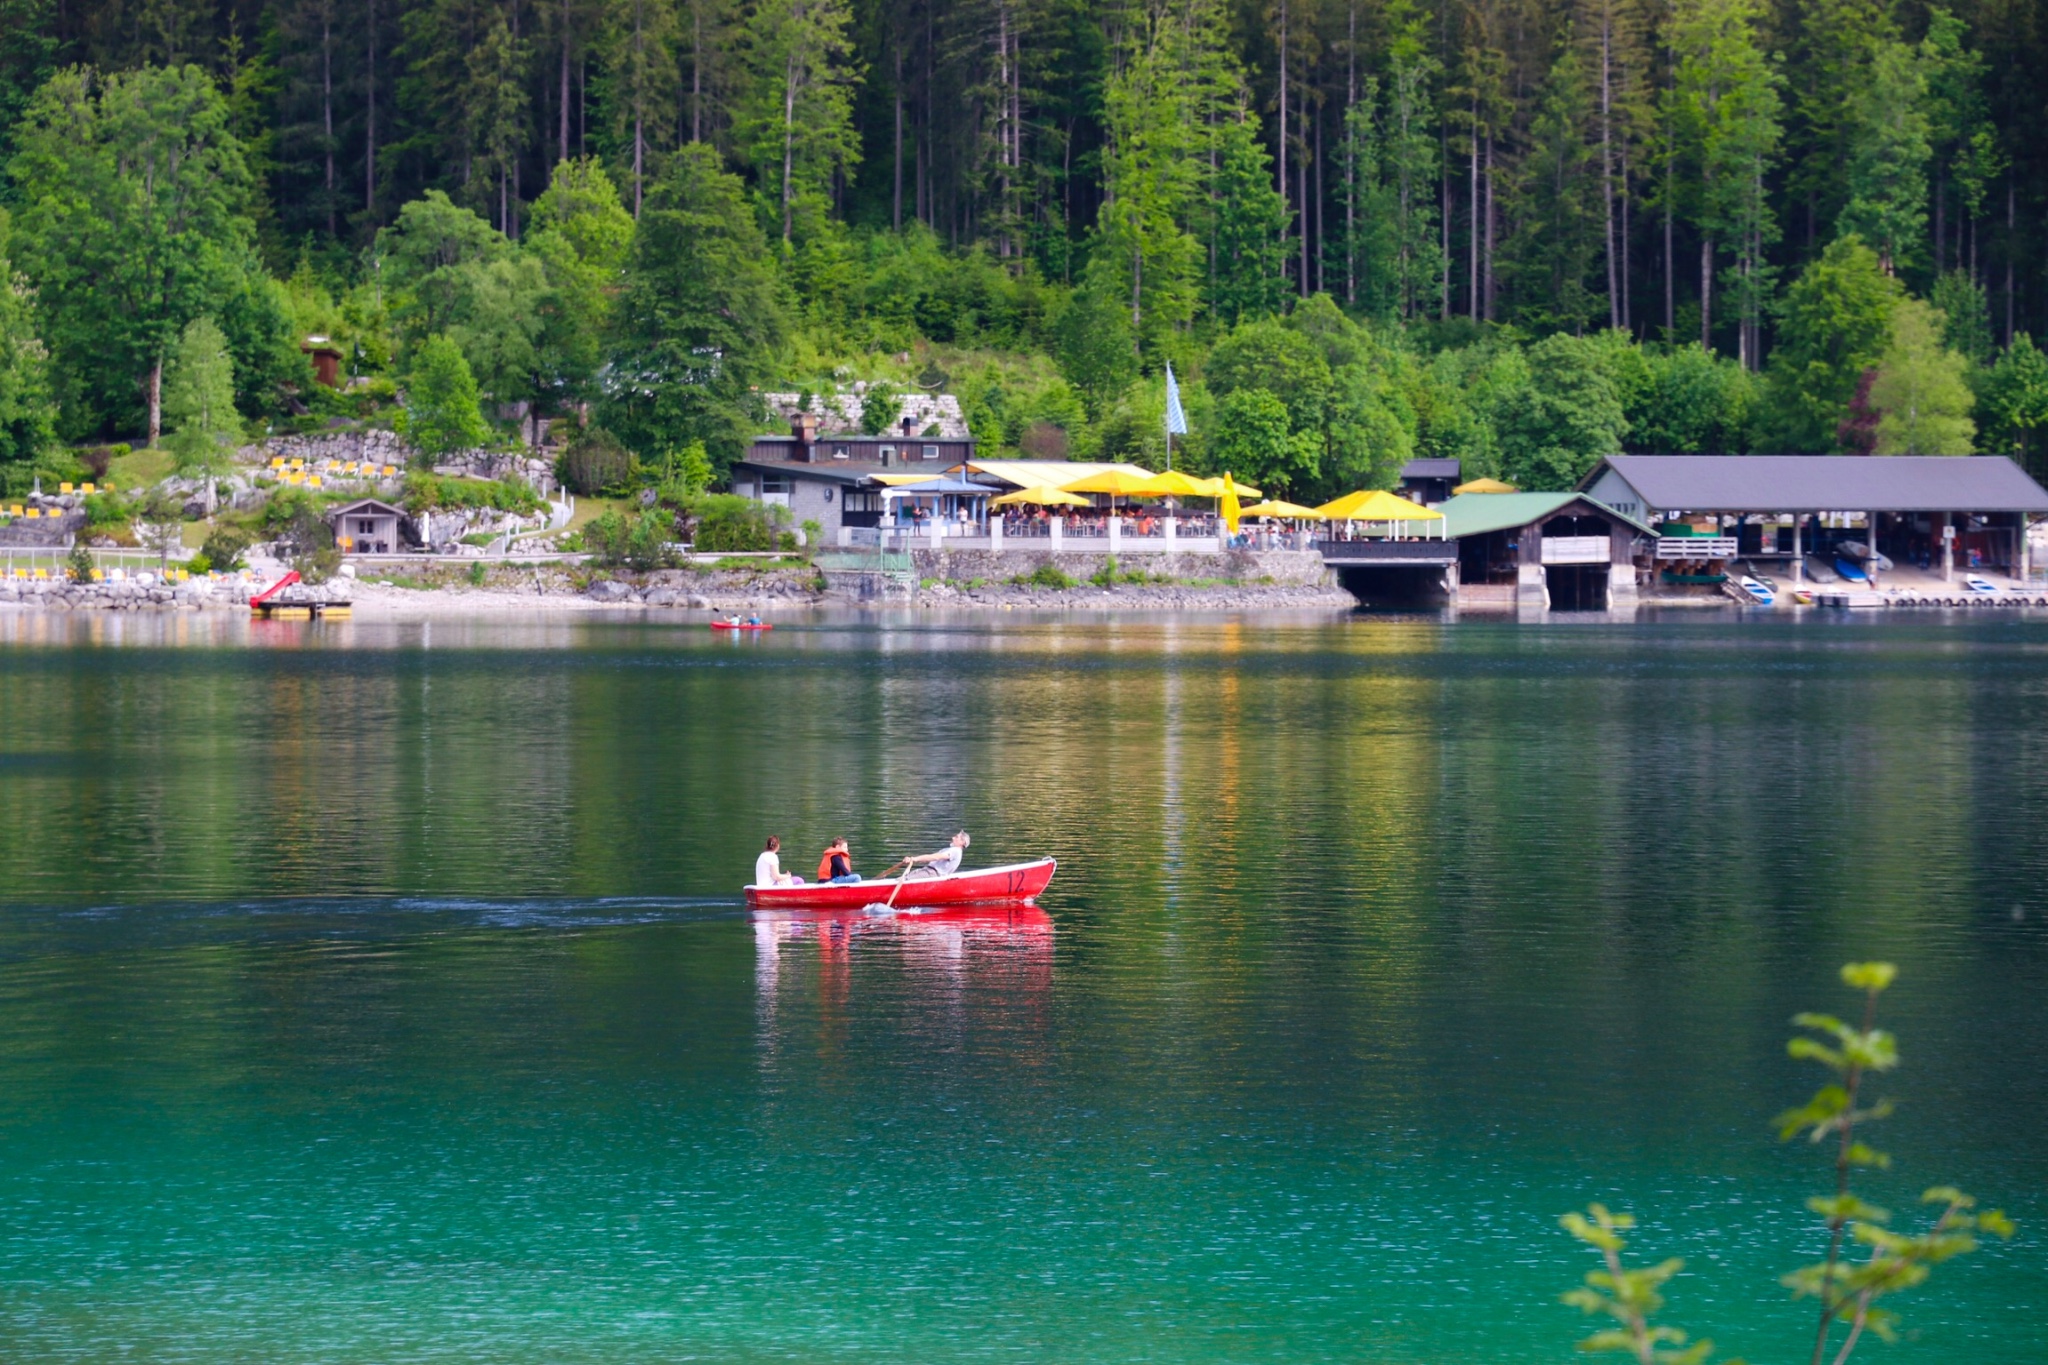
424,492
293,519
596,465
1046,575
224,548
97,459
81,562
639,541
727,523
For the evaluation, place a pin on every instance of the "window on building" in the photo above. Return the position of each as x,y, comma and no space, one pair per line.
856,501
839,452
774,483
931,452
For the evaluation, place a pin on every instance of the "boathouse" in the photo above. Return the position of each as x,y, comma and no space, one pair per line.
1944,513
1565,551
368,527
1429,481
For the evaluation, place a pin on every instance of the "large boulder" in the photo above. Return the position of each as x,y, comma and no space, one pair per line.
609,590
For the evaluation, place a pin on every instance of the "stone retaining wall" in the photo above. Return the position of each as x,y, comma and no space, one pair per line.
56,594
1287,568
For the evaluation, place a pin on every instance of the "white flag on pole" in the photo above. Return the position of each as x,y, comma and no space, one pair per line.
1176,417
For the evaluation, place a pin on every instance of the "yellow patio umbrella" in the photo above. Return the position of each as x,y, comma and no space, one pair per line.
1045,495
1377,504
1276,508
1226,508
1486,486
1213,488
1116,483
1174,484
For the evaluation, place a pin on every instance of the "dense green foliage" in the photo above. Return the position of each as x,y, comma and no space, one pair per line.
657,211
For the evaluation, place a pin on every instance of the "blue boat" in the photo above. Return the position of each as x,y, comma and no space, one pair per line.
1851,571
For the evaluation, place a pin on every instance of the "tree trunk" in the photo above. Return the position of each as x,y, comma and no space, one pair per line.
789,79
1706,292
2011,234
370,121
697,71
153,395
896,213
1670,268
1472,192
1627,316
639,111
327,106
1320,253
1607,162
563,128
1301,178
1351,161
1287,217
1486,248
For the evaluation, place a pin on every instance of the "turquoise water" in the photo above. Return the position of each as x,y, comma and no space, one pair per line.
382,993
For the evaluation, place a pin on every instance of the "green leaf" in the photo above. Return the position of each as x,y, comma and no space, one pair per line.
1868,976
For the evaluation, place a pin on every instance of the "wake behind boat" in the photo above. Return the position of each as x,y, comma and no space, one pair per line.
984,886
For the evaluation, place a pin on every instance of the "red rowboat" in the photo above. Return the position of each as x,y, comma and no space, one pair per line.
739,625
1017,882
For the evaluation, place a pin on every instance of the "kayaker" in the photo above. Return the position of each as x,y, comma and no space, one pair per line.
945,862
768,867
836,867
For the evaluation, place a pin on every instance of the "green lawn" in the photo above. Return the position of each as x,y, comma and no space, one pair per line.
139,469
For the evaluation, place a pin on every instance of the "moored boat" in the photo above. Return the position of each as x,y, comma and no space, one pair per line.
983,886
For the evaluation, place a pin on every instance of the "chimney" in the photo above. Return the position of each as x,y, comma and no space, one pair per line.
906,428
804,426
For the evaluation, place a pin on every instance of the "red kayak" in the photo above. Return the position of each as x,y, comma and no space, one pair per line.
989,885
739,625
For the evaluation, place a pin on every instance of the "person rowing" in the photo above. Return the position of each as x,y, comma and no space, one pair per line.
944,863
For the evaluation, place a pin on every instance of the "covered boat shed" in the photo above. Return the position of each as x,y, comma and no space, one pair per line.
1934,510
1563,550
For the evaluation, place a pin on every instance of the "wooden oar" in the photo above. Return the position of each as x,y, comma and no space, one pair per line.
890,904
908,867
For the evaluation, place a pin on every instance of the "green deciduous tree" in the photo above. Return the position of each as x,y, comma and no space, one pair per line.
581,235
1694,403
2013,402
442,415
1835,322
27,410
1557,426
700,316
199,404
1922,390
134,220
1254,443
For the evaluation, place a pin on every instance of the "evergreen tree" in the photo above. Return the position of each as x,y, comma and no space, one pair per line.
639,72
442,414
1888,153
1411,165
1722,113
1551,256
1835,323
700,317
1966,316
796,123
1250,274
1921,392
199,404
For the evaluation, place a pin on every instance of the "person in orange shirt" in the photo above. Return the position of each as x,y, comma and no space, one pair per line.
837,864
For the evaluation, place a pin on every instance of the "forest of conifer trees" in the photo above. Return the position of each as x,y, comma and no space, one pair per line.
1523,233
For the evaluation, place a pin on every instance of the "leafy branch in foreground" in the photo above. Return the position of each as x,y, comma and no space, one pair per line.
1630,1297
1848,1289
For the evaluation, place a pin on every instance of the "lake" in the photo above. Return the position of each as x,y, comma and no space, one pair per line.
378,992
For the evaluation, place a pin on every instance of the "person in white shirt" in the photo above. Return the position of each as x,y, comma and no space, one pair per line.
768,867
941,864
